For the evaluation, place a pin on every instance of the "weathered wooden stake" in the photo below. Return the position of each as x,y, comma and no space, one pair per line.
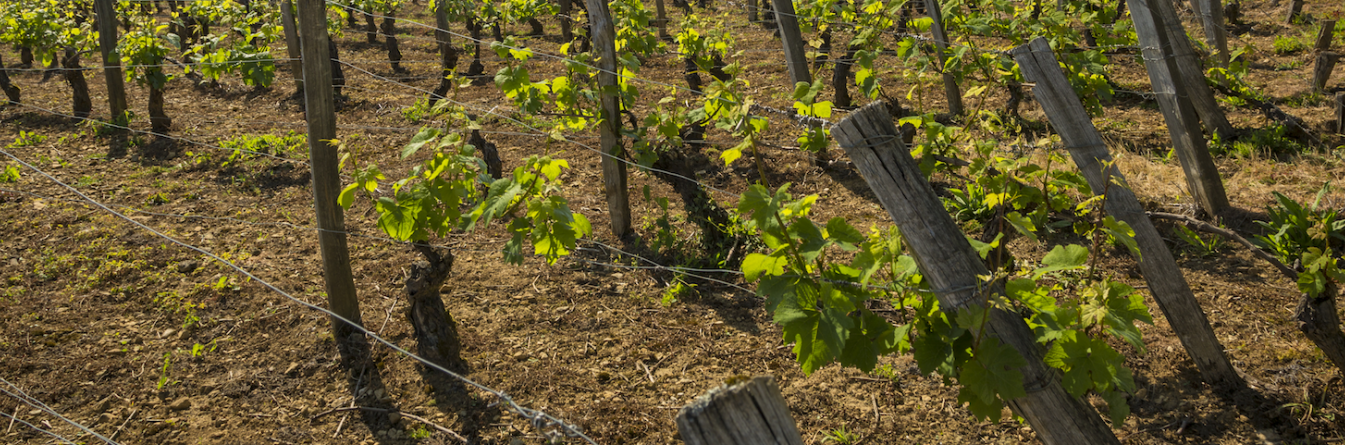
107,44
950,87
1321,71
1325,35
1211,14
613,170
954,270
1295,8
795,57
1086,147
661,20
1183,126
1340,113
292,45
745,413
320,112
1191,72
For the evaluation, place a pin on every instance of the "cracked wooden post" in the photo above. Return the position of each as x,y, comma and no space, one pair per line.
795,57
1211,13
613,170
1325,35
953,269
1202,177
1321,71
745,413
1295,9
950,87
292,46
320,112
1085,145
1340,113
1191,72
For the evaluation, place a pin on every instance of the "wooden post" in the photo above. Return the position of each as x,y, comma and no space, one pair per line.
1321,71
1340,113
1211,14
1325,35
954,270
950,87
613,171
319,111
1201,175
661,20
107,44
745,413
1085,145
292,44
795,58
1191,72
1295,8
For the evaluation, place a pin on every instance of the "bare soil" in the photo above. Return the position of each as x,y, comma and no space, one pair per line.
90,305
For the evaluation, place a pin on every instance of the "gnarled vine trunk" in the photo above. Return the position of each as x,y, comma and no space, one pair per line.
370,27
489,153
840,78
448,55
390,42
1318,320
436,332
11,91
158,120
74,76
26,57
338,76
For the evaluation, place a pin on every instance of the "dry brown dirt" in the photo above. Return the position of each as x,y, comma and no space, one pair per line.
91,305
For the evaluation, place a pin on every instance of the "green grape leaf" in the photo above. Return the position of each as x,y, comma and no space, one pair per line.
990,378
757,264
425,136
843,234
1022,224
396,221
347,196
1123,234
1068,257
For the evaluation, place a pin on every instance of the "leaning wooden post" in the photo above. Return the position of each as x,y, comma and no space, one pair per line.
1340,113
1085,145
1325,35
613,170
1321,71
795,58
319,111
1201,175
745,413
1211,14
950,87
1295,8
107,43
1191,72
954,271
292,44
661,19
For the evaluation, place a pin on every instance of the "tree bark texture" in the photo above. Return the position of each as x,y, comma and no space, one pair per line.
11,90
436,332
390,43
158,120
79,86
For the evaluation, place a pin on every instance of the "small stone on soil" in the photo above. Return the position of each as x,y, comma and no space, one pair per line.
180,404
